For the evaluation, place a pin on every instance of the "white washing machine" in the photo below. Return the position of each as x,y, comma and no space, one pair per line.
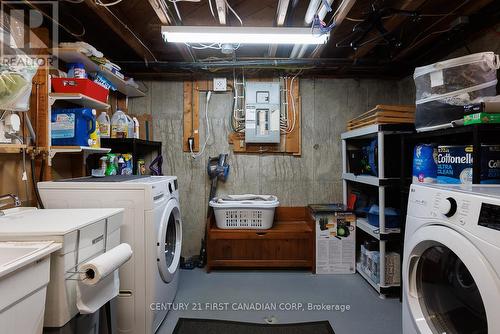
451,264
152,226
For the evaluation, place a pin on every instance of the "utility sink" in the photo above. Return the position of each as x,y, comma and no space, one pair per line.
24,275
15,255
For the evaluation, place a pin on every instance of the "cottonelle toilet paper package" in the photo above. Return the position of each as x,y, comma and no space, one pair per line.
424,164
455,164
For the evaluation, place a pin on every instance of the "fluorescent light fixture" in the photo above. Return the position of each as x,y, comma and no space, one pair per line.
243,35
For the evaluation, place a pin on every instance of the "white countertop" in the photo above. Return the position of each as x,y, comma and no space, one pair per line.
32,251
50,222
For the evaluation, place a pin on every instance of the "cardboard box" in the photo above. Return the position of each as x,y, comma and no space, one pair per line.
335,239
482,118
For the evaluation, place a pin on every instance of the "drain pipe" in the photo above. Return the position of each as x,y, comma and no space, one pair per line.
300,50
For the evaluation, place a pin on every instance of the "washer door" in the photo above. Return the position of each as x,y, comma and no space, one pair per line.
169,241
451,288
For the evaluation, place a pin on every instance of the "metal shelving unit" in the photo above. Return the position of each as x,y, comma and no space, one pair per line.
383,183
139,148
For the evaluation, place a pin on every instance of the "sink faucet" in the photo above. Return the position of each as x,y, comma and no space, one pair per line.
17,201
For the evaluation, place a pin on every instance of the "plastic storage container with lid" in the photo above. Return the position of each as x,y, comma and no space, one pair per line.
444,88
244,211
72,127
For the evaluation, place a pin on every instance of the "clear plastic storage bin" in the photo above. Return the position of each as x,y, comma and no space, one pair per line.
244,211
444,88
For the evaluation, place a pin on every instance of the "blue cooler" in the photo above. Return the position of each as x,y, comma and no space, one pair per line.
72,127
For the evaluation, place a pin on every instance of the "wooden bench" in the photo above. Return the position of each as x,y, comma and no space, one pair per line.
290,243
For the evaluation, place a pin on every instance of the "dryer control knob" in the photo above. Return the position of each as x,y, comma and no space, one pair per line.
448,207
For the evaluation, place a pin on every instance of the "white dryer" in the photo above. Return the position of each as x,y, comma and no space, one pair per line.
451,263
152,226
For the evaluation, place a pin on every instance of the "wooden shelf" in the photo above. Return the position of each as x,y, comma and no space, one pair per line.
70,55
11,148
288,244
80,99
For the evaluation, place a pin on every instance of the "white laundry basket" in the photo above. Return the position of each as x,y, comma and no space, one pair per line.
244,211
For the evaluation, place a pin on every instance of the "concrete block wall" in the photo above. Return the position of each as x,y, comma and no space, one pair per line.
327,105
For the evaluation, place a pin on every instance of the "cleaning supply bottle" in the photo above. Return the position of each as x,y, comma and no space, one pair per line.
136,127
130,127
119,125
104,125
95,137
112,164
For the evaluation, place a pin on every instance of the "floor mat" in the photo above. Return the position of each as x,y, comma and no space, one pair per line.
208,326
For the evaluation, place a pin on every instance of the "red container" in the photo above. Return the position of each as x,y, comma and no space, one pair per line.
82,86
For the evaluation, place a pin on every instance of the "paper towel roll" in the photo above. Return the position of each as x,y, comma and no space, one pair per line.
103,265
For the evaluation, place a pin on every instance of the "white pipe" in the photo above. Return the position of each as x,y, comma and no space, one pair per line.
323,10
295,50
312,9
302,51
298,50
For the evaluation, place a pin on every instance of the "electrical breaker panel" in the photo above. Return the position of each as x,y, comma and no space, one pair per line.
262,112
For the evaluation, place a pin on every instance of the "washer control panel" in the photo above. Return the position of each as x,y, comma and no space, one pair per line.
489,216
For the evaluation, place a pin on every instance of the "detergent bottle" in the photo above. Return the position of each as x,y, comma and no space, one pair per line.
95,136
130,127
119,125
72,127
136,127
104,125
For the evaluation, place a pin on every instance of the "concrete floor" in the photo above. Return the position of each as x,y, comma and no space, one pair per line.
368,313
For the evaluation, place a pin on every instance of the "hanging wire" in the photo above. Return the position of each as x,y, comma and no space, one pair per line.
108,4
234,12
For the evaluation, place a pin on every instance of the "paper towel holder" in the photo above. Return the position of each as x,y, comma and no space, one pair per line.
71,271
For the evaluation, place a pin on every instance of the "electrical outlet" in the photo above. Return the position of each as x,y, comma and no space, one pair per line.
220,84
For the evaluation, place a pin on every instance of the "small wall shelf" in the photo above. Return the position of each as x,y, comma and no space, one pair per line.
12,148
70,55
80,99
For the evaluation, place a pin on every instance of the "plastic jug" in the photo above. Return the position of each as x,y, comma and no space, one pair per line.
104,125
136,127
72,127
95,137
119,125
130,127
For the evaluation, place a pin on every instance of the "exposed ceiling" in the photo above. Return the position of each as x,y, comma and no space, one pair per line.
129,33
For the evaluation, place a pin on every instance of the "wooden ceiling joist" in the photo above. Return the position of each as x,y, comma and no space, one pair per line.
160,9
465,9
127,36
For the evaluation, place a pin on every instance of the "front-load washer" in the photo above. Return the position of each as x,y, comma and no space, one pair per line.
451,262
152,226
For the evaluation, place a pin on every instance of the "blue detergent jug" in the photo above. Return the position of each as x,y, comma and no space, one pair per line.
72,127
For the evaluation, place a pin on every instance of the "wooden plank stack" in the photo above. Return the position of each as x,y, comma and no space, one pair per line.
384,114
